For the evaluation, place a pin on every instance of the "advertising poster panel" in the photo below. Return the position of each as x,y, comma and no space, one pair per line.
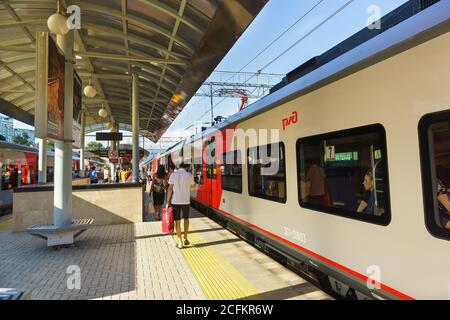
55,110
77,105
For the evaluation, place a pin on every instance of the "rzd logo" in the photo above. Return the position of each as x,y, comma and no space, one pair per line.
293,119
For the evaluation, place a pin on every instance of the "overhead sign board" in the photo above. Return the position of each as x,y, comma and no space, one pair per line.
108,136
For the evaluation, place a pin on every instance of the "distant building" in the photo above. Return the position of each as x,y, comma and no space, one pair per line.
6,127
18,132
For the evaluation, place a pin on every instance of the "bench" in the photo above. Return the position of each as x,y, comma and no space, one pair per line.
14,294
59,236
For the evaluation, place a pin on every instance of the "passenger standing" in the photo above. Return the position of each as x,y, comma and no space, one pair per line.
180,183
159,182
143,177
123,175
93,175
100,176
315,177
117,176
106,174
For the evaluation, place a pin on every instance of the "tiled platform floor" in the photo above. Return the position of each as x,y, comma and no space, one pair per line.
137,261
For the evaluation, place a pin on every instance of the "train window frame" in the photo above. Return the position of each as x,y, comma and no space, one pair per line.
383,220
265,197
202,179
211,168
238,155
427,173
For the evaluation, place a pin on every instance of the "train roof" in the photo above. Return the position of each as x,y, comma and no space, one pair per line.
13,146
8,145
409,25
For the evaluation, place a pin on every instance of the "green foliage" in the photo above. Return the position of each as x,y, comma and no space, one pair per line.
23,139
94,146
50,145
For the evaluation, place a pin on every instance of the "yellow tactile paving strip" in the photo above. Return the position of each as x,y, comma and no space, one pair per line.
217,277
5,225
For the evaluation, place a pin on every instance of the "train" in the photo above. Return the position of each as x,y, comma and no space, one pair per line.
357,203
19,168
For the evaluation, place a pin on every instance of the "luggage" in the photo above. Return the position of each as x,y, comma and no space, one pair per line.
167,220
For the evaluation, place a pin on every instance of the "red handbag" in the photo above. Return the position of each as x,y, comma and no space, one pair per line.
167,220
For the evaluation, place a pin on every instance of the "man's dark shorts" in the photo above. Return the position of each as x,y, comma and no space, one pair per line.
178,208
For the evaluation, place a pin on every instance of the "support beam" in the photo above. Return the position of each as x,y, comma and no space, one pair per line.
135,124
17,49
118,57
11,110
178,20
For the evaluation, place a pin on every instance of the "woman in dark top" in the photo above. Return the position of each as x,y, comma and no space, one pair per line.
159,182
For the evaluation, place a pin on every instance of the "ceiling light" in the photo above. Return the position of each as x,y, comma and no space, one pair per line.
89,90
103,113
57,23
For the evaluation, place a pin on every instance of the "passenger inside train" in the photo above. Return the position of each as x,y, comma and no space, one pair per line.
343,172
366,205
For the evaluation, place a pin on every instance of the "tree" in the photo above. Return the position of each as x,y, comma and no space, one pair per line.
50,145
23,139
94,146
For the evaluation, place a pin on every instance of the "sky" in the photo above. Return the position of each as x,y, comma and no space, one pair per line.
275,18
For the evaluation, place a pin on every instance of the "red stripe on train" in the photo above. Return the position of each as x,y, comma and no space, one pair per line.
324,259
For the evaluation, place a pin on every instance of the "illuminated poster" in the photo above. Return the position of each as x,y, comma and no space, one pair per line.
77,105
55,118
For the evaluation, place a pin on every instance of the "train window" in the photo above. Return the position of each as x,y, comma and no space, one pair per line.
345,173
231,171
198,171
434,132
267,172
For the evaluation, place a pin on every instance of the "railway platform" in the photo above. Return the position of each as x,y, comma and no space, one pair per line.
137,261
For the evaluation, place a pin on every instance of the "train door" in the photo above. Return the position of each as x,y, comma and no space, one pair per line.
212,185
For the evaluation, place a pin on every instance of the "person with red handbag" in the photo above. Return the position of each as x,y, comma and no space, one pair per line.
179,197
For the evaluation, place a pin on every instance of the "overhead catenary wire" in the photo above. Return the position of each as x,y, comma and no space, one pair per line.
335,13
262,51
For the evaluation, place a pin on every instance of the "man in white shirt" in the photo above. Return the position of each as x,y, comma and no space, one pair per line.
179,197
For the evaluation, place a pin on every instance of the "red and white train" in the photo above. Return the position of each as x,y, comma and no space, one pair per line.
19,166
366,123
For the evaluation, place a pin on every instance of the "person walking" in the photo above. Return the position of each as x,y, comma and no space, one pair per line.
106,175
179,197
100,176
123,175
117,176
159,182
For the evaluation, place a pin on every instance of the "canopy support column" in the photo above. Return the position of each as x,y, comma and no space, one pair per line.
135,125
62,210
82,142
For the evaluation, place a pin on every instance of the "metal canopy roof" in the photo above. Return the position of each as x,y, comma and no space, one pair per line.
173,45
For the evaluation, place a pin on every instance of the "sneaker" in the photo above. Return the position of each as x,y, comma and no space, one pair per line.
180,245
186,242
